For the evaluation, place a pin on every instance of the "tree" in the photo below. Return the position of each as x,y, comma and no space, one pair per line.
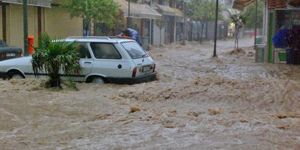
249,14
238,21
203,11
96,11
52,57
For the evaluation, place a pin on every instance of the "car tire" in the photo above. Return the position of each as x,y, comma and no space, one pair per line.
98,80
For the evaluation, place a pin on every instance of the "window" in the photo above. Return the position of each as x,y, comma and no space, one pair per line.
134,50
84,50
105,51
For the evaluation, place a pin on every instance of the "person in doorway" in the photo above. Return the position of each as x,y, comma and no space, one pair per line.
131,33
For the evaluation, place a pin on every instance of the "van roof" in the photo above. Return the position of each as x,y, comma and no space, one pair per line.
110,39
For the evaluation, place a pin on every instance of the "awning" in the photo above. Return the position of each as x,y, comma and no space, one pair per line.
39,3
241,4
138,10
169,11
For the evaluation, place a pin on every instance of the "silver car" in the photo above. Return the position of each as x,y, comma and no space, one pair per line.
102,59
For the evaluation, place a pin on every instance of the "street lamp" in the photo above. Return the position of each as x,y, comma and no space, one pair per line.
216,29
25,26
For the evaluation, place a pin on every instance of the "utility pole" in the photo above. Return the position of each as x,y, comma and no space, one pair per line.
184,23
25,26
151,26
216,28
129,15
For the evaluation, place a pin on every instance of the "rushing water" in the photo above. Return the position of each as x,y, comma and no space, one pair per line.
199,102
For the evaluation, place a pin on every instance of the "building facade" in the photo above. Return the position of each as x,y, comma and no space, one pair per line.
278,14
43,16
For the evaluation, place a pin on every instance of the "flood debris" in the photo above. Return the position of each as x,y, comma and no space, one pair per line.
288,115
134,109
215,111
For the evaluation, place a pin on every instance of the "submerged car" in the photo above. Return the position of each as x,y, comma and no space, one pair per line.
102,59
8,52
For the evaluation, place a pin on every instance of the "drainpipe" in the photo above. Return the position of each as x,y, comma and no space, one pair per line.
25,26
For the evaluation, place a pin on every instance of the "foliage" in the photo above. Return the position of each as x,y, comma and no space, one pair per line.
249,14
51,57
204,10
98,11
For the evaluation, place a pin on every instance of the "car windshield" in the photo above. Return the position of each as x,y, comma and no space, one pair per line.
2,44
134,50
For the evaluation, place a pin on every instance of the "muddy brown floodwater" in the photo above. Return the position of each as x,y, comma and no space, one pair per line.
199,102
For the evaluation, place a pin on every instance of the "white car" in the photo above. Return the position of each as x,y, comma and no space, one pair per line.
102,59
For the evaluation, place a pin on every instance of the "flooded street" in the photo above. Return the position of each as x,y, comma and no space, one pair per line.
198,102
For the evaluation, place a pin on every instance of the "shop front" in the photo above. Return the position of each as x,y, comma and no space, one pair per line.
283,37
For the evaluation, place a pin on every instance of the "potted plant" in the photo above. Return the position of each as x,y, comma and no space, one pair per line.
52,57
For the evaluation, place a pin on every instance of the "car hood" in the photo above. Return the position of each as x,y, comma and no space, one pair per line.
10,50
16,61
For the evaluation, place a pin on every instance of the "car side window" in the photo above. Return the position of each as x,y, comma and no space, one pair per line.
105,51
84,50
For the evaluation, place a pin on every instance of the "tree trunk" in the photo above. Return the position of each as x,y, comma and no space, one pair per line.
54,75
160,32
202,29
55,80
86,27
206,29
198,32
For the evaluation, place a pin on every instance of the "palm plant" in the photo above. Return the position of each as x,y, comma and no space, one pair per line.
52,57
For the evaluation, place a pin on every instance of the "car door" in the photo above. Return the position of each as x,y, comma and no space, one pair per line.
86,61
108,61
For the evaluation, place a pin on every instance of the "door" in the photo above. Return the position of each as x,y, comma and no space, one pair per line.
108,61
86,61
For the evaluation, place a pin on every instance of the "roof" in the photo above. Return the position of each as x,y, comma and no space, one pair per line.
241,4
169,11
138,10
40,3
109,39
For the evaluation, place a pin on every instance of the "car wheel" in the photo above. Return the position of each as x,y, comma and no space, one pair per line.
15,75
98,80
